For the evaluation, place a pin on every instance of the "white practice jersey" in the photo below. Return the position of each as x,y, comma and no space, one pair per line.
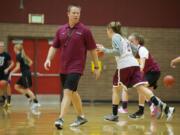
122,51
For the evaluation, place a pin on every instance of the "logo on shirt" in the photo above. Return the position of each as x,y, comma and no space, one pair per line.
79,33
2,61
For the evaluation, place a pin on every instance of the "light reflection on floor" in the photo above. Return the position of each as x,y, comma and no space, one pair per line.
20,121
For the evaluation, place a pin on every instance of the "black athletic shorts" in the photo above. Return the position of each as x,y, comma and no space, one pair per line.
152,77
25,80
70,81
4,76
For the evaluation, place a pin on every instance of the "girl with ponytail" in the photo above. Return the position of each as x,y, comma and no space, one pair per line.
23,85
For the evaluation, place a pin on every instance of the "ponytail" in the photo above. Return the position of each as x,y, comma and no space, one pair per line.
115,26
23,54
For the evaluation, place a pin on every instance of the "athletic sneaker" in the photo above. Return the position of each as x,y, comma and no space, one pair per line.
170,113
111,117
79,121
35,108
122,110
137,115
59,123
161,111
154,110
6,104
35,112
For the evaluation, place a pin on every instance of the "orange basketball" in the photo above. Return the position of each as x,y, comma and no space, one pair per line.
168,81
100,53
2,84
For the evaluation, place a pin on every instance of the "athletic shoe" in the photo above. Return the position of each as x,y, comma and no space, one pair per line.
111,117
35,112
121,110
170,113
137,115
6,111
9,105
35,106
161,111
6,104
154,110
59,123
79,121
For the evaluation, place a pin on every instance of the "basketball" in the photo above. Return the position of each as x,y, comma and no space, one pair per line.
99,52
168,81
2,84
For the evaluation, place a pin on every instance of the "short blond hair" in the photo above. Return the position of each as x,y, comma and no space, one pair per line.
72,5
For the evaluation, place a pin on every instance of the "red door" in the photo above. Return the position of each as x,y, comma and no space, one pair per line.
48,81
44,82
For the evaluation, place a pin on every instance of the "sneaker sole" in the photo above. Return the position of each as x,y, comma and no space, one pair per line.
79,124
83,122
111,120
138,118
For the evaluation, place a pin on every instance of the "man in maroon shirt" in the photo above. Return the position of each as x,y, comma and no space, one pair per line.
74,39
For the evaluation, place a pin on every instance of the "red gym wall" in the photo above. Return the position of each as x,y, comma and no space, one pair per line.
46,82
140,13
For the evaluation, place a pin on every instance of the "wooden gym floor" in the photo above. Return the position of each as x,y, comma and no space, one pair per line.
18,120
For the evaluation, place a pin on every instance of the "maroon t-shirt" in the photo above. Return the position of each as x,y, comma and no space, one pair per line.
150,63
73,43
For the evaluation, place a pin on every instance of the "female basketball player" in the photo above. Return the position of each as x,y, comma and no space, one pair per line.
23,85
6,64
150,70
128,74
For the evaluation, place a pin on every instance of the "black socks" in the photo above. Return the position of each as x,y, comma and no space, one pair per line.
155,101
3,98
8,99
124,104
27,95
115,109
141,109
35,100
